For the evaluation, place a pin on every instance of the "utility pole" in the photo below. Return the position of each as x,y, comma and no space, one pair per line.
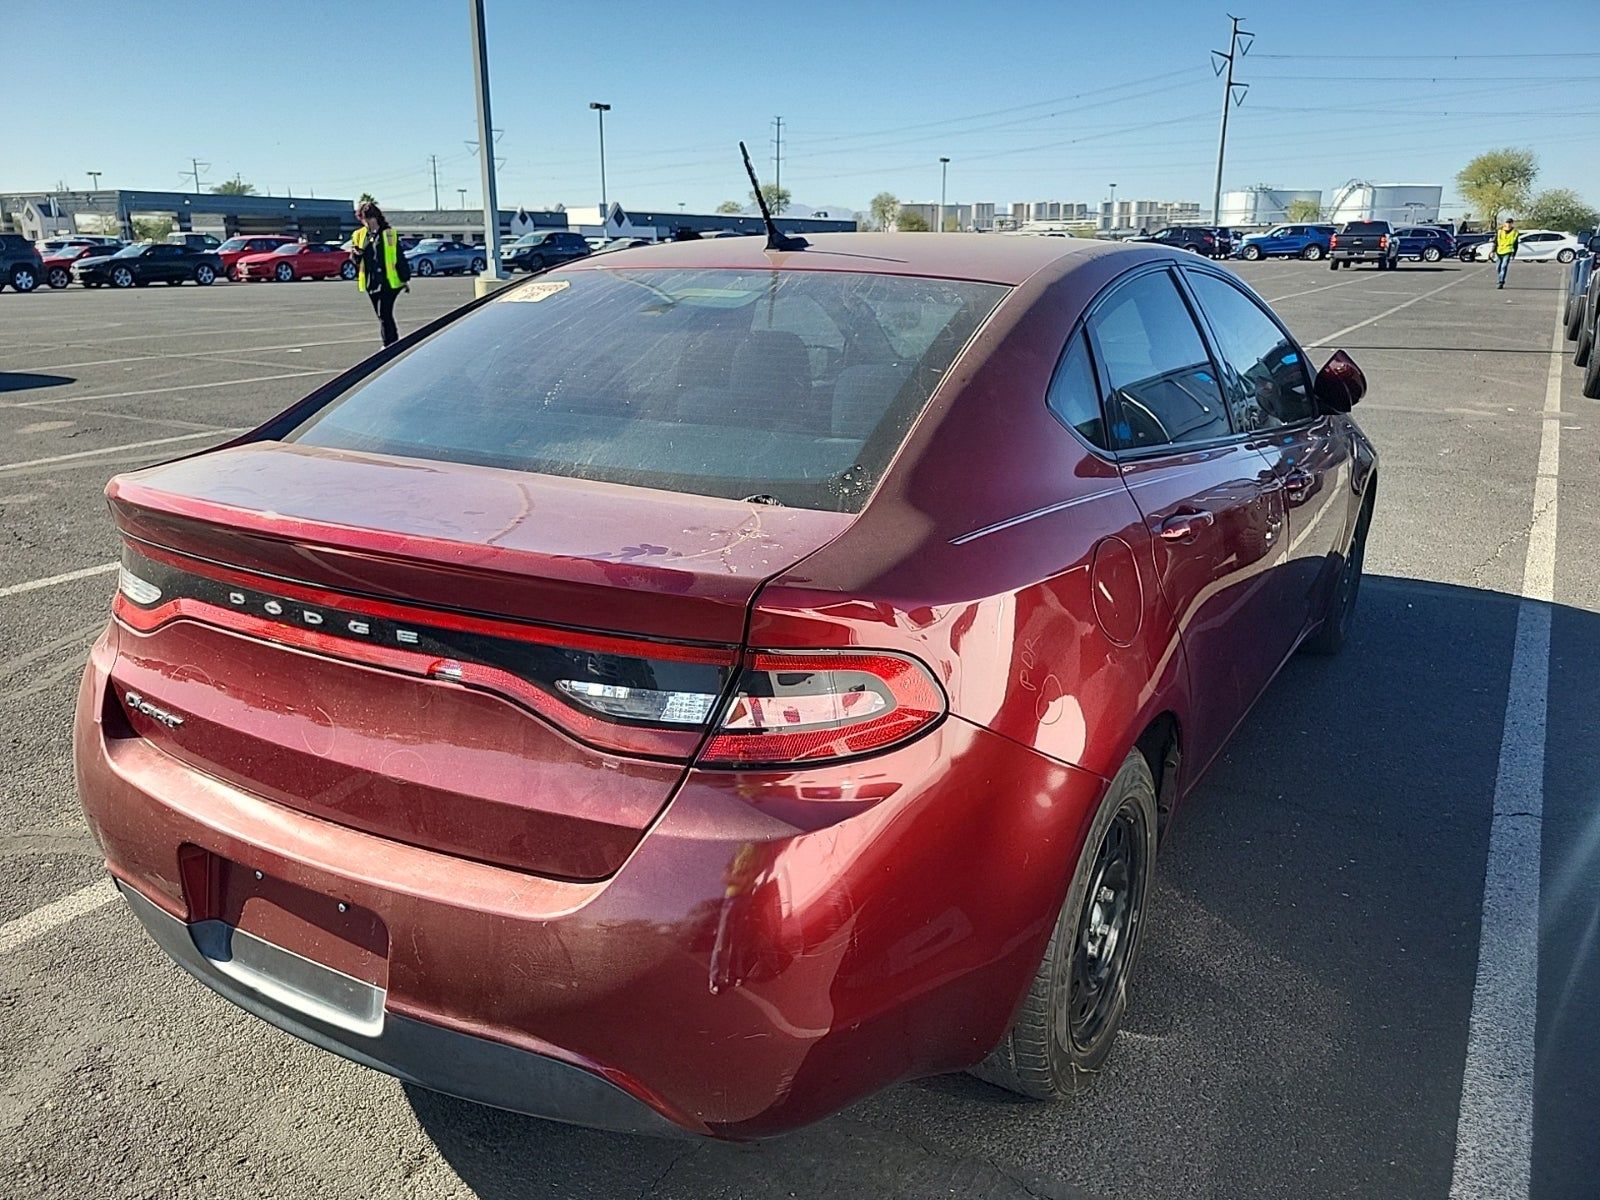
944,175
1111,221
462,192
195,173
1239,42
94,176
600,110
491,199
777,154
433,160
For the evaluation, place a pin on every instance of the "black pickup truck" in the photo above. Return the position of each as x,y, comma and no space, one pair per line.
1364,241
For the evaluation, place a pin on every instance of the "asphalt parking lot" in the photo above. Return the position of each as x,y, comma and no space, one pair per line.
1303,1023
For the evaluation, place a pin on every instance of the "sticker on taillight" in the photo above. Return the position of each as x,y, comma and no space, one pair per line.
813,707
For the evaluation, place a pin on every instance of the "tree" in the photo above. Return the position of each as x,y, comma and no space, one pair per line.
909,220
1563,209
151,229
234,187
1498,181
1303,210
885,207
730,207
777,197
366,198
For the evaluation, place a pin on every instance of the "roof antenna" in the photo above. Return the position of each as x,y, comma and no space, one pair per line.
775,239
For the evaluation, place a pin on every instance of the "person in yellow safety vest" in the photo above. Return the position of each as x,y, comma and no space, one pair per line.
1505,249
381,270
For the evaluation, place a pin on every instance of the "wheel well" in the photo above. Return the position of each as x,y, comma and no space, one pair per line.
1161,746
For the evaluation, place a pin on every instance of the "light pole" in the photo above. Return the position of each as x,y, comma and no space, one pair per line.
600,110
95,176
462,192
491,200
944,175
1111,220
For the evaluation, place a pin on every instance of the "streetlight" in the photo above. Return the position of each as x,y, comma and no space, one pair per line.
1111,220
95,175
944,175
462,192
491,197
600,110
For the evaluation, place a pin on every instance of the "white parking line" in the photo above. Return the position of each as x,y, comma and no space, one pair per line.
219,434
1327,287
18,933
1388,312
1494,1130
33,585
194,354
161,391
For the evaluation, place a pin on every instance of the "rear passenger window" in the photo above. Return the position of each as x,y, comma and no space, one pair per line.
1075,394
1268,384
1164,388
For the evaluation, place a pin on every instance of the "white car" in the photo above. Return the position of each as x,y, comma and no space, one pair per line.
1537,245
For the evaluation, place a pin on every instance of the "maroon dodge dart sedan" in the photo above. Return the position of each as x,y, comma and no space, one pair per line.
701,686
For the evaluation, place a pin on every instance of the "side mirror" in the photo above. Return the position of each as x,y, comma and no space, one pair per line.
1594,244
1340,384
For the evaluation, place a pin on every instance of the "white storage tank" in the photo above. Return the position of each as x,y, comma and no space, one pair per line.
1397,203
1263,205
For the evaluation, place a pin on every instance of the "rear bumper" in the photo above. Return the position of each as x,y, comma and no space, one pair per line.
776,947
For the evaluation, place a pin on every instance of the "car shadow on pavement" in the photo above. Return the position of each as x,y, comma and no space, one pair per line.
1301,1007
22,381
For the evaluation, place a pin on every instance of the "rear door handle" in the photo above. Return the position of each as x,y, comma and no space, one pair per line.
1184,526
1297,482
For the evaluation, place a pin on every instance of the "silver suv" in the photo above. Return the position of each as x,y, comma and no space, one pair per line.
20,264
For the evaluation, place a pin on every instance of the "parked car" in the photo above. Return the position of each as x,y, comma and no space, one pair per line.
297,260
145,263
436,256
235,248
195,241
1468,243
542,249
52,245
58,263
1537,245
1578,282
627,708
1588,323
1288,241
1364,241
1198,239
20,263
1425,243
623,243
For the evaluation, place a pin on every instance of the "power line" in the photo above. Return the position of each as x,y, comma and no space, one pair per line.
198,167
1418,57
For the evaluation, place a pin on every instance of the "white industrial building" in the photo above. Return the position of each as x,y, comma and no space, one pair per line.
1399,203
1263,205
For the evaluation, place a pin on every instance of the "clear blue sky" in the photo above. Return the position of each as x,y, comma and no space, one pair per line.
333,99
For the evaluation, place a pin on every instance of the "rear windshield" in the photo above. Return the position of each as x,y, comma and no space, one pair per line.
1367,227
795,386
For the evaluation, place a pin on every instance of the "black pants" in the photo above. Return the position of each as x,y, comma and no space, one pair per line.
383,305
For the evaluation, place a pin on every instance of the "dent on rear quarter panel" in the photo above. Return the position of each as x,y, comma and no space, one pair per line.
975,552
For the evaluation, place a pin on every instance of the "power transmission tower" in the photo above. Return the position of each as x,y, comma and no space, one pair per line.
194,174
1239,42
433,159
777,154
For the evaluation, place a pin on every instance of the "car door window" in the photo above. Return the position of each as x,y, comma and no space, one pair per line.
1268,384
1074,395
1164,387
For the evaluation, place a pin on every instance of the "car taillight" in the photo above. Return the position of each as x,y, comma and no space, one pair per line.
816,706
1383,241
1333,241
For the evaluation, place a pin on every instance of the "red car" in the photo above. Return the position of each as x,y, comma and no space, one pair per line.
235,248
700,687
298,260
58,262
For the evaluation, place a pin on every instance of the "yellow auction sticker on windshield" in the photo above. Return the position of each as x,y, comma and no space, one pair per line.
532,293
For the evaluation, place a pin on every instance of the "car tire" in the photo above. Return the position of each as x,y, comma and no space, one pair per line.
1045,1055
1567,255
477,266
59,277
1312,253
425,267
1591,376
1574,322
1464,255
1332,634
1333,264
283,273
205,275
1432,254
24,278
1250,253
1580,354
347,271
